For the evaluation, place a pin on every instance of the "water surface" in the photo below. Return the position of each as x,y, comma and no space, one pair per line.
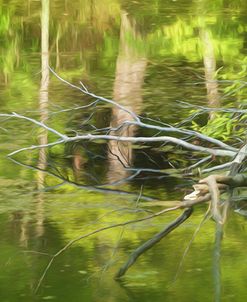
154,58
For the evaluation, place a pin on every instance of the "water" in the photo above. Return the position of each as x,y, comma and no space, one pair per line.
150,56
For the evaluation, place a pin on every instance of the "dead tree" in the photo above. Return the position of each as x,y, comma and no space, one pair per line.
209,189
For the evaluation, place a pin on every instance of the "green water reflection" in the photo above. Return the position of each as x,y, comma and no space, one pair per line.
149,56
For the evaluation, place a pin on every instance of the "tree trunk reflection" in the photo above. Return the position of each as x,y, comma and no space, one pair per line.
130,71
43,106
210,70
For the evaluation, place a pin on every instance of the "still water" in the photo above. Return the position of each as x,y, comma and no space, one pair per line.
153,57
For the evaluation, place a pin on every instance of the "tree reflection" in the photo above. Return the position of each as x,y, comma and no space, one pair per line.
130,71
43,106
210,70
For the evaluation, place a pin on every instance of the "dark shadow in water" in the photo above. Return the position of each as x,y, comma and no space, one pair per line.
84,187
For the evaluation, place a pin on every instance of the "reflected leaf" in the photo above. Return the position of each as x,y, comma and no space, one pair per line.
82,272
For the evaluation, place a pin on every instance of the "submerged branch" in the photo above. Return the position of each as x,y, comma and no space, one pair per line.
70,243
151,242
181,205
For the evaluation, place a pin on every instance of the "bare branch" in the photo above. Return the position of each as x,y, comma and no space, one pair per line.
85,91
137,121
41,124
168,139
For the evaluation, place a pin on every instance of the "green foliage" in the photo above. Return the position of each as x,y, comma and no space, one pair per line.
221,126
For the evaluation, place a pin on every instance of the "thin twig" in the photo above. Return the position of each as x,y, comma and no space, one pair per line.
41,124
70,243
204,219
137,119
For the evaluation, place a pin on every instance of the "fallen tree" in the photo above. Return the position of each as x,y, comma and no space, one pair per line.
208,189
